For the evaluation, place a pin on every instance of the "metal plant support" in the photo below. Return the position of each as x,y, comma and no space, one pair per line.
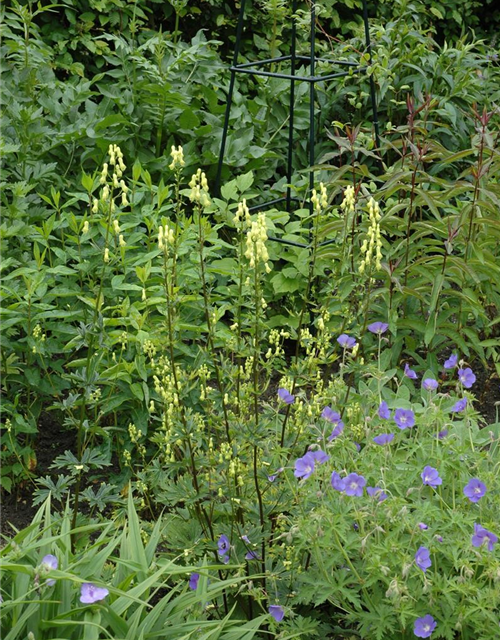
254,68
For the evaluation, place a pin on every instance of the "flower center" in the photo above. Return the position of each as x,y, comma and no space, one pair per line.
427,478
477,490
354,485
427,627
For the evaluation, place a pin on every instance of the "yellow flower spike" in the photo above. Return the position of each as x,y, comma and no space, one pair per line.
106,254
105,193
177,158
86,227
199,189
348,203
95,205
323,196
122,241
116,184
116,227
124,200
104,174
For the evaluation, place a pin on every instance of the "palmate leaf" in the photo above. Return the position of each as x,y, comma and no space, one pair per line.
91,459
380,622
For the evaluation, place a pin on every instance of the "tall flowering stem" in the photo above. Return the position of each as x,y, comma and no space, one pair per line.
320,202
242,220
257,255
371,249
106,202
166,239
199,195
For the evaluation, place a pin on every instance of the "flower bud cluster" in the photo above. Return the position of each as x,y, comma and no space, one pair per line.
165,387
349,201
256,250
275,340
372,245
199,189
135,435
307,340
177,158
319,201
149,349
225,452
166,237
203,374
118,167
242,214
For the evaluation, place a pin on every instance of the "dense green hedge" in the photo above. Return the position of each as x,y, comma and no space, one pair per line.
78,28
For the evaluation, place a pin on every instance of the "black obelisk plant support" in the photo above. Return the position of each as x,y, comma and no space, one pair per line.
255,68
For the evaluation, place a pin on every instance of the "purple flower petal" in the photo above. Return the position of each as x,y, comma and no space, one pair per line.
277,612
251,555
336,432
319,456
304,466
466,377
354,484
89,593
332,416
383,438
423,559
50,562
430,384
424,627
430,477
404,418
337,483
452,361
377,492
409,373
286,396
346,342
423,526
193,581
223,545
383,411
459,406
378,327
482,536
474,490
442,434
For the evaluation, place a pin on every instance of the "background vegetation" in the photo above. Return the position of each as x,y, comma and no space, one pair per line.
151,331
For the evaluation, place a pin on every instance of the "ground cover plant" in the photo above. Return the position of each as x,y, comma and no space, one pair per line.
258,440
